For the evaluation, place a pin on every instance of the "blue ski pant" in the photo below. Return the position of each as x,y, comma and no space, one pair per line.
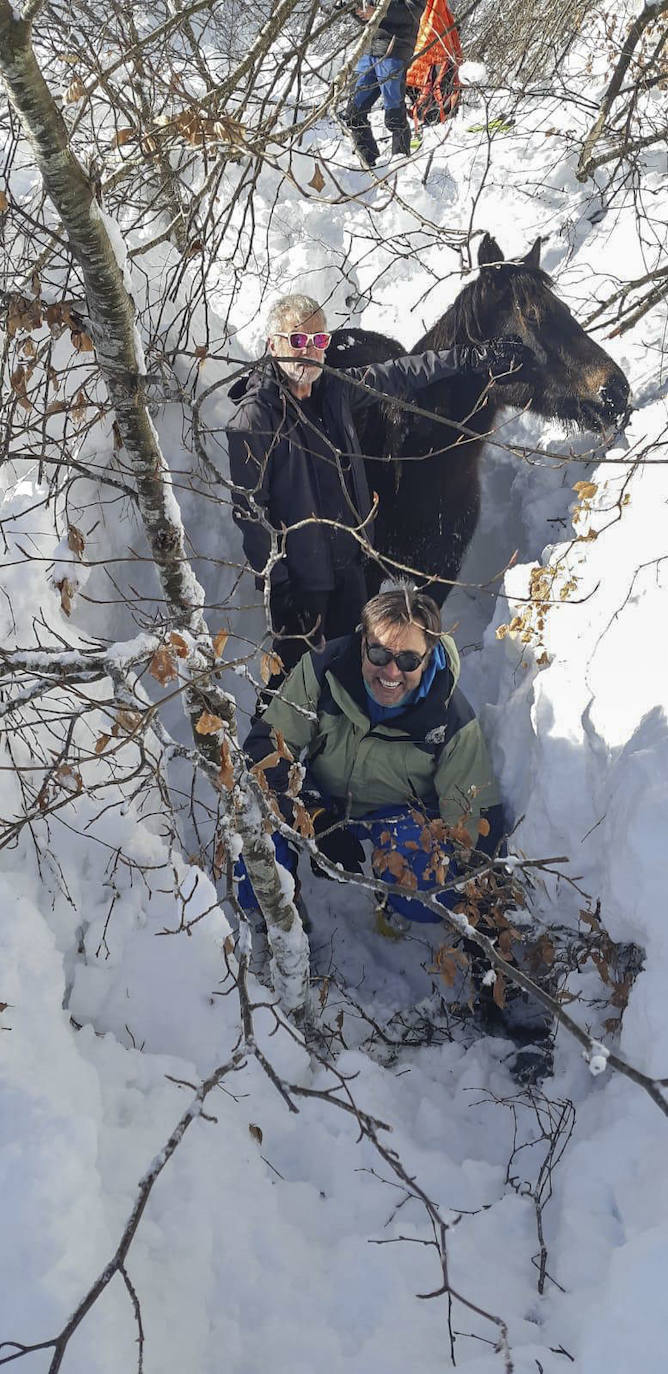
379,76
391,829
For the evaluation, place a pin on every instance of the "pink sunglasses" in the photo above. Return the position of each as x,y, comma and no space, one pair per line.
299,340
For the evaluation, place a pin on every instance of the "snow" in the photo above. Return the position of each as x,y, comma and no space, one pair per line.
255,1250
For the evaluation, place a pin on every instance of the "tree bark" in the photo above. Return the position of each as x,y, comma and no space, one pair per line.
120,358
652,11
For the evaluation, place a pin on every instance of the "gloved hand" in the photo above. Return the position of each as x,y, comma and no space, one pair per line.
503,359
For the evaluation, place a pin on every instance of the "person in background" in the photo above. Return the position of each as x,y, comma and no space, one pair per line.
381,72
296,466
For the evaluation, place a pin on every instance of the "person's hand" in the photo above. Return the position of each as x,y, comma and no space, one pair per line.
503,359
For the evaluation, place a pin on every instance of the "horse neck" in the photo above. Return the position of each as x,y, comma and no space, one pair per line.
447,331
455,328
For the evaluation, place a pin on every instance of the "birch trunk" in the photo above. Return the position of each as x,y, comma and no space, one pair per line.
119,355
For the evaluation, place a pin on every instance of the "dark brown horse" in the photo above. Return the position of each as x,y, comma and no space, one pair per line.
428,509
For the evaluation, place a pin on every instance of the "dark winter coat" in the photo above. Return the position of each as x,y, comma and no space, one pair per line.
277,453
432,754
397,32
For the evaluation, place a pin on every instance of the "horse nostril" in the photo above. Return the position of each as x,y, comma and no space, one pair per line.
614,396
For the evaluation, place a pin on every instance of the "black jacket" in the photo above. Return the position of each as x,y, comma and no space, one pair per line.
397,32
274,457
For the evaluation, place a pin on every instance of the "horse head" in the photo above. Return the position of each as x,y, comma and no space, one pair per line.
574,380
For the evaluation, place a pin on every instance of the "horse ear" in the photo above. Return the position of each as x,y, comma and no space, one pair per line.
532,258
489,252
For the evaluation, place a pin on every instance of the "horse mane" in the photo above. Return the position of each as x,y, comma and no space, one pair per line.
474,316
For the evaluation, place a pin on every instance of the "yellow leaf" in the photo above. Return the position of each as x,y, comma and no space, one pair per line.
269,665
585,490
208,724
220,640
501,631
162,667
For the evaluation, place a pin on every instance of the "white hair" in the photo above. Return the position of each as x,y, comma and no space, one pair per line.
292,307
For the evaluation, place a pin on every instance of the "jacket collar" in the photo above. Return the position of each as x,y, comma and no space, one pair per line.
344,673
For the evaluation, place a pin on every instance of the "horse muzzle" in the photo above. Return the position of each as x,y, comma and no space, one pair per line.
615,404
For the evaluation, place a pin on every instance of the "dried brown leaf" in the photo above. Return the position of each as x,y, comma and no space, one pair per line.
499,991
75,91
208,724
303,822
317,180
66,590
270,664
281,746
256,1132
294,786
82,342
101,743
226,771
162,667
179,645
126,721
219,642
18,383
75,540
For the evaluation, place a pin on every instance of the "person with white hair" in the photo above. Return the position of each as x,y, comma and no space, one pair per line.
298,473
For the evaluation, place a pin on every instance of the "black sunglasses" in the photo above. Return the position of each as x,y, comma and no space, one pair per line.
407,660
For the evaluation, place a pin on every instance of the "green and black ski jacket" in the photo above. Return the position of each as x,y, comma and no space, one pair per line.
432,754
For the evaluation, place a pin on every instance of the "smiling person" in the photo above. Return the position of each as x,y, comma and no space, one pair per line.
389,742
296,466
